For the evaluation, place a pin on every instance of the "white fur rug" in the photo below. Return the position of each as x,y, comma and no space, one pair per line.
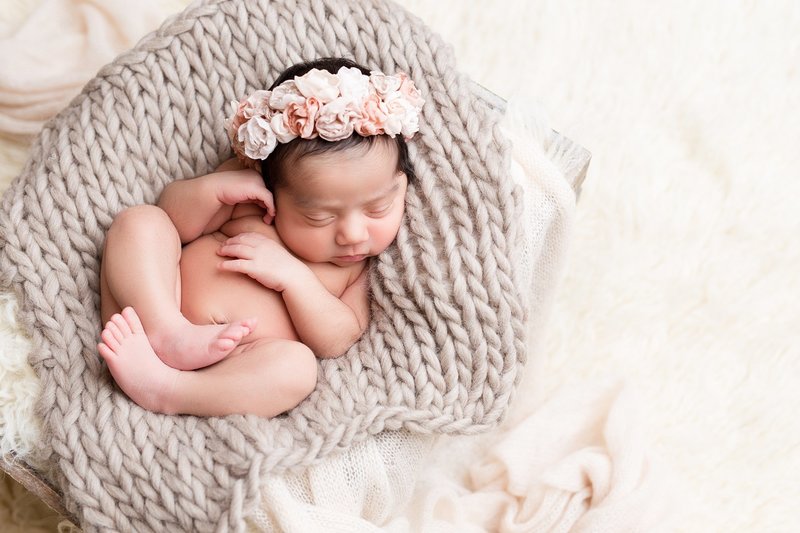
683,278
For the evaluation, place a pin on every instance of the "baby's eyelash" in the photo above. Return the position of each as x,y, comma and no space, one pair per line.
380,209
319,219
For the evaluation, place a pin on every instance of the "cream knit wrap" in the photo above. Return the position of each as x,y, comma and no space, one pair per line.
445,345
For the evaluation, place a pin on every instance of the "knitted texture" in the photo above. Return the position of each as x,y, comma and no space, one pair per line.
444,347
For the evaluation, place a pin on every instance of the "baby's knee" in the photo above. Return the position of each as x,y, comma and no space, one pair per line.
141,222
138,216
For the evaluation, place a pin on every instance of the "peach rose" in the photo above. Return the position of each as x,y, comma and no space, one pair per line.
410,91
281,129
300,118
372,118
233,123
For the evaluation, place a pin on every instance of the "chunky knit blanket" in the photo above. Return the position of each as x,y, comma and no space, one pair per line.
444,348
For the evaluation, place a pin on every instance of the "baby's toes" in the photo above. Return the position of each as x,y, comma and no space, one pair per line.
132,318
105,352
250,324
111,340
121,324
226,344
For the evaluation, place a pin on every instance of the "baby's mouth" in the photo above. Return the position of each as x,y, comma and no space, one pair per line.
351,258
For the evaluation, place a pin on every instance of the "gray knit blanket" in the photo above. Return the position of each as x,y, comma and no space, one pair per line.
444,348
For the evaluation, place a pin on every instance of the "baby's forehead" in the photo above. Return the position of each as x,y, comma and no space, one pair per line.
325,193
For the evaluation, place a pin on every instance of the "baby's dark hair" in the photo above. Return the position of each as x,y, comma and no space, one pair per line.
272,168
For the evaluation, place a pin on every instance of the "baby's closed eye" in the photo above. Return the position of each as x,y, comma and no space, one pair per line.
380,209
319,219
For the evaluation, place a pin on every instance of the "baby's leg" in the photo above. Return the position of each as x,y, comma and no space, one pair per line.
140,269
265,378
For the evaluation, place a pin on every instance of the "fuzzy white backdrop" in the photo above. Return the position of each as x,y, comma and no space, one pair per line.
684,271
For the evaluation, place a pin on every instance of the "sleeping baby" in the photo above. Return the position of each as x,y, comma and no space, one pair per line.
219,299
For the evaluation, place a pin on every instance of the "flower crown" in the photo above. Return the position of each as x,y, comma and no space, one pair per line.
326,105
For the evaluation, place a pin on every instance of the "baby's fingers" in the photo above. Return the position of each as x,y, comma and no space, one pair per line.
234,265
241,251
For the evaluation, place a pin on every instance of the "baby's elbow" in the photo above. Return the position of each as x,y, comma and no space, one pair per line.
338,347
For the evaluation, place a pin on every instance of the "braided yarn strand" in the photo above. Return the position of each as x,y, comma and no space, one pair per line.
441,354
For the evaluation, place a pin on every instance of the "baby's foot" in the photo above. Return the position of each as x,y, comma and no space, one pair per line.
188,346
135,366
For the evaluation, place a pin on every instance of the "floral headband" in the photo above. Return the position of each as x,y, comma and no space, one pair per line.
331,106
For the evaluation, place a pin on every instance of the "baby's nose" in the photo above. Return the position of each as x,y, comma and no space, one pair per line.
352,230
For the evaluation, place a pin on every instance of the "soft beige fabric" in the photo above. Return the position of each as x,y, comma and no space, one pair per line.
55,51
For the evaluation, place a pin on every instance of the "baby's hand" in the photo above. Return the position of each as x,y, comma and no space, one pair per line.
261,258
245,186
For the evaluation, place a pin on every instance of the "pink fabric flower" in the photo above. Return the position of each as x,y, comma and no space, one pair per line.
281,129
300,118
256,104
410,91
372,117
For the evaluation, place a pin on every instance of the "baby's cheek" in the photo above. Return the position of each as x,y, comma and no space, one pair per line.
384,235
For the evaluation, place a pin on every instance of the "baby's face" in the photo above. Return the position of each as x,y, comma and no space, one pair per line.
341,207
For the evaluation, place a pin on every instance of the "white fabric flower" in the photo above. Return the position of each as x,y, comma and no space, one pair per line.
336,119
321,84
257,138
384,84
401,117
353,85
285,94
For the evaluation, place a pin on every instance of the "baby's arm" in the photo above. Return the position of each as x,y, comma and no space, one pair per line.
326,324
201,205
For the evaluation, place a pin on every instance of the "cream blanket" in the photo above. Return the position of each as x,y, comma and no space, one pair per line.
57,48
